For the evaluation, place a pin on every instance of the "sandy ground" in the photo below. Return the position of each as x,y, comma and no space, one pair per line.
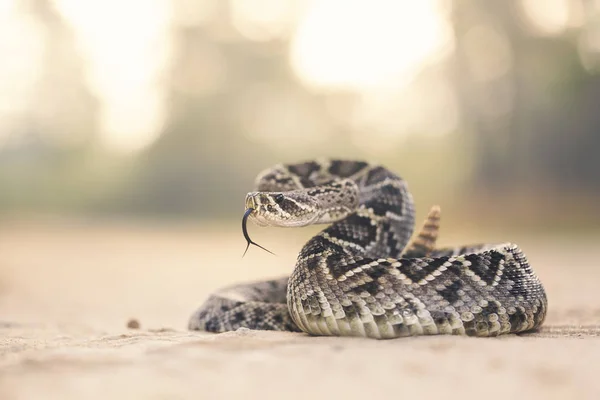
67,292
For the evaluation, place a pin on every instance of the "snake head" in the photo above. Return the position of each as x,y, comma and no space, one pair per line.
283,209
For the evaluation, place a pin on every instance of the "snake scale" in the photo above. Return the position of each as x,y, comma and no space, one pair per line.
361,277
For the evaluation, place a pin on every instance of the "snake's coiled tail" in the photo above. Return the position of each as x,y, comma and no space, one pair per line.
358,277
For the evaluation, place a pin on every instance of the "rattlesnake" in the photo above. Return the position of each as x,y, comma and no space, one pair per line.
359,276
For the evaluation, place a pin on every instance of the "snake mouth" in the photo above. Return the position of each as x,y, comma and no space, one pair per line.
257,214
249,202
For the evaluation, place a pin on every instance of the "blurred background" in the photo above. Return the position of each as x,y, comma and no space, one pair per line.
159,113
169,108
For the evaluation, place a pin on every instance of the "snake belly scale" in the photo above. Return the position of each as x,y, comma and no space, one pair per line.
361,276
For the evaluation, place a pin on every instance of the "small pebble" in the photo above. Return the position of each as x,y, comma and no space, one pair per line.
133,324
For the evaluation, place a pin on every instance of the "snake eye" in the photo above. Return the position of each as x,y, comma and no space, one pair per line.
278,198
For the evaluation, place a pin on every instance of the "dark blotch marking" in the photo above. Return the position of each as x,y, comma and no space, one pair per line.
449,293
491,308
371,287
379,270
389,199
259,313
355,229
485,265
278,318
336,266
238,317
379,174
411,269
520,288
287,205
318,244
212,325
312,263
440,317
470,328
345,169
304,171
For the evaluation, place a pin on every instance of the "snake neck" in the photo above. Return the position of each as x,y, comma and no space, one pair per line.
377,223
336,200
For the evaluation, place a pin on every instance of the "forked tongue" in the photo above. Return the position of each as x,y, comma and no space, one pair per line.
245,232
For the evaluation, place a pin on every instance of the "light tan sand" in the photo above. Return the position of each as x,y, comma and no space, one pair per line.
67,293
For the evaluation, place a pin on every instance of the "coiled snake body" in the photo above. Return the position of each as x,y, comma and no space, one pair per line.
360,277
